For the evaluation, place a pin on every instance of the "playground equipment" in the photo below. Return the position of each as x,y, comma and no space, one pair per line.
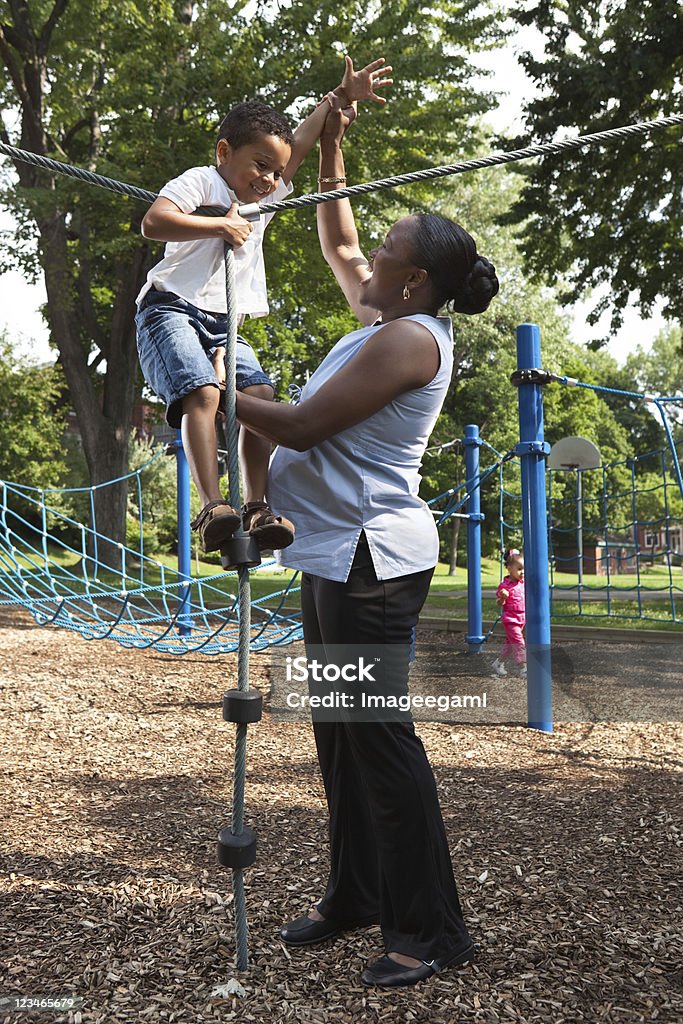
55,572
632,514
576,454
633,569
101,607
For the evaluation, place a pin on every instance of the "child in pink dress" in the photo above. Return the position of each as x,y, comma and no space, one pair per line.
510,596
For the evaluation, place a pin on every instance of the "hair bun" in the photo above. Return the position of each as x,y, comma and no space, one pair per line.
479,287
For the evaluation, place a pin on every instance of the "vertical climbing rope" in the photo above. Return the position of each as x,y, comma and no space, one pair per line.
244,610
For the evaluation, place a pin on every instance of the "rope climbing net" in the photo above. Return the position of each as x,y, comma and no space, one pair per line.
52,565
629,544
621,523
615,533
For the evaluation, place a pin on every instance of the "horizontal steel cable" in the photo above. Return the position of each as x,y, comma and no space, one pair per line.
111,184
315,198
540,149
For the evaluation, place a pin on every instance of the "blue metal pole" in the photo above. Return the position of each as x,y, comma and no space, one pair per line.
532,450
184,538
472,444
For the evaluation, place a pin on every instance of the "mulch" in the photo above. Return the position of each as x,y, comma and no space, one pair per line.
117,776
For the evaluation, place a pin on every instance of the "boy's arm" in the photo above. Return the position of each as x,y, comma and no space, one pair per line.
166,222
354,86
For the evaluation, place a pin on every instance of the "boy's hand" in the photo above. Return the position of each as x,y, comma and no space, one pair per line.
218,361
361,85
236,229
503,596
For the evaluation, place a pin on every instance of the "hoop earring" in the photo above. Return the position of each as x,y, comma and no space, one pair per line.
406,293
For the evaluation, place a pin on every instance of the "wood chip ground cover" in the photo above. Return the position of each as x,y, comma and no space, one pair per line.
117,775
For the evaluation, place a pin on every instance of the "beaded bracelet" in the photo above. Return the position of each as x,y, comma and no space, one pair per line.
330,181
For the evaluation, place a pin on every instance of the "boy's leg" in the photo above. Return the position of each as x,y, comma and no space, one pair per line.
254,452
217,520
198,428
270,531
173,344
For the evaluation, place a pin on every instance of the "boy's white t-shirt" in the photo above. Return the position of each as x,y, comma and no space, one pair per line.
195,270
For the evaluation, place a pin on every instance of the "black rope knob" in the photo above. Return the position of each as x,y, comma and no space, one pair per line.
242,706
240,551
236,851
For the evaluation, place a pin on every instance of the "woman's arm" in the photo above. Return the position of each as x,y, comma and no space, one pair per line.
354,86
403,355
336,225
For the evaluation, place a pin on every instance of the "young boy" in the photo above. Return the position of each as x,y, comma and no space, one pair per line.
181,319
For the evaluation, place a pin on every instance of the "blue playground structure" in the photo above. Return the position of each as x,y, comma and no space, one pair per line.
143,603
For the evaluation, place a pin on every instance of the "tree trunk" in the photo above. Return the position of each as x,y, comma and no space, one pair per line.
103,403
104,412
455,534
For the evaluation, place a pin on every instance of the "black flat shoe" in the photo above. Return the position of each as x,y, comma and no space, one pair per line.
387,973
304,931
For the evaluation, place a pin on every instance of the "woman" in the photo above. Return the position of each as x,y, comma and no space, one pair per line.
347,471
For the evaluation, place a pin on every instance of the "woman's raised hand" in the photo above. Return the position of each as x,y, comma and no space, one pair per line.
338,120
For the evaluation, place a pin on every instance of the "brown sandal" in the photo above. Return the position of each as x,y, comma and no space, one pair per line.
270,532
216,523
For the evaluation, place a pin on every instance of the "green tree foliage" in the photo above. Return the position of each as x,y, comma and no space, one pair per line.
485,357
432,115
659,371
582,412
485,348
136,90
635,416
152,498
31,422
31,427
608,217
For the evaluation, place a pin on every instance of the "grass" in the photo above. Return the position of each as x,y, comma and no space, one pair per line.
447,593
625,614
654,577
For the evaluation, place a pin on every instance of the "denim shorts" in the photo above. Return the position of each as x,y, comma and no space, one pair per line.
176,341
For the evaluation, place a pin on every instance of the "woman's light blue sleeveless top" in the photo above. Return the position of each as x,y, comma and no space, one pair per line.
364,478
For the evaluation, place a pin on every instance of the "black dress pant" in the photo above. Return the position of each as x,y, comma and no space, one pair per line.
388,848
